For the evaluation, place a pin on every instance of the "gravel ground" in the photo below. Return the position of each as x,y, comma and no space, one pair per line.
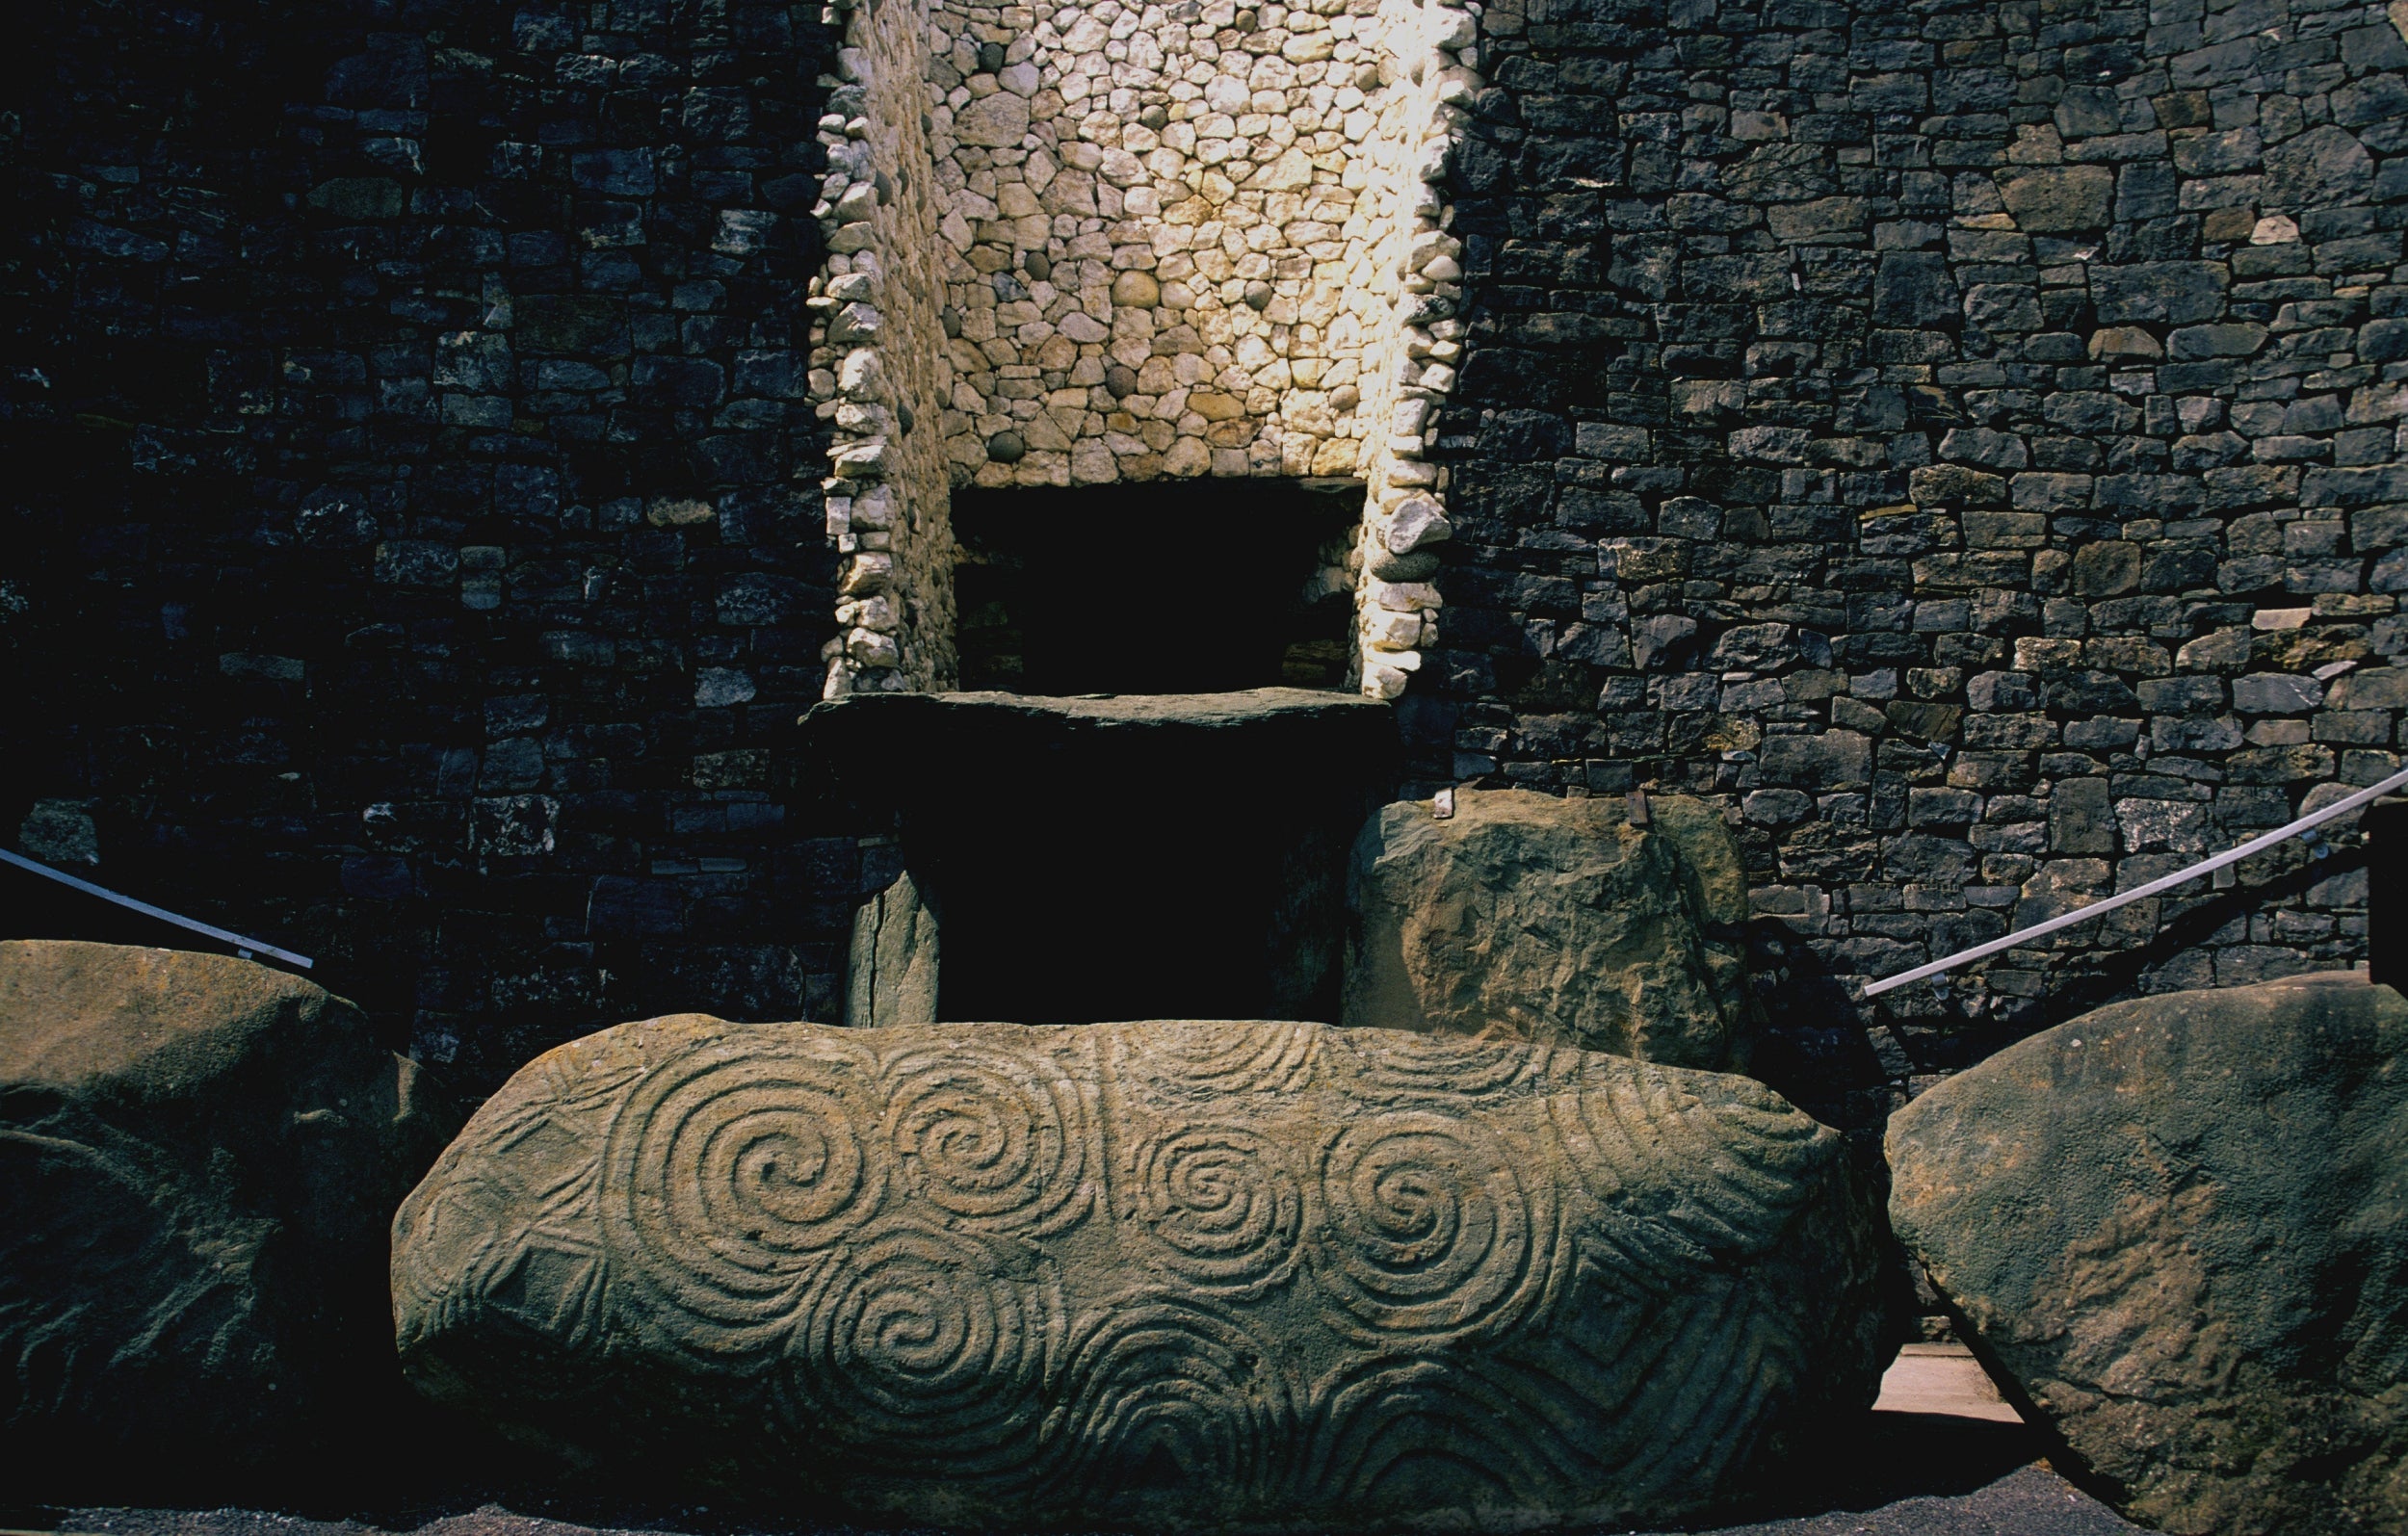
1905,1474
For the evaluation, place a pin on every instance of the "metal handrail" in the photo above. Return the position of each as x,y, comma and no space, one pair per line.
2307,822
245,947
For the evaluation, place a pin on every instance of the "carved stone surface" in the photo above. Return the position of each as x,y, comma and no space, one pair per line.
1235,1275
197,1155
1538,918
2180,1225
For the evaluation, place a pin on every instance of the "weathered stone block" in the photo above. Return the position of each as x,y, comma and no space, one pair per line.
2082,817
1831,760
2051,199
197,1158
1913,291
997,122
358,198
892,974
1535,918
1226,1276
2180,292
2325,164
2179,1225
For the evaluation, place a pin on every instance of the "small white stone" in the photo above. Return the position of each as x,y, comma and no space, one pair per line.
870,649
861,375
865,574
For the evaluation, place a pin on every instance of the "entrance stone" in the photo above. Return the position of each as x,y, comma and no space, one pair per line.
1154,1276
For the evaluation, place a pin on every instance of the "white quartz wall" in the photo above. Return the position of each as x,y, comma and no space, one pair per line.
1166,240
878,368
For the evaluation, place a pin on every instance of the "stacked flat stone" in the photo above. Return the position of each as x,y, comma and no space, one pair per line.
874,369
1969,443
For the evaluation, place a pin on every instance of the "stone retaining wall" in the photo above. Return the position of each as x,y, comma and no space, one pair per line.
1964,439
1168,241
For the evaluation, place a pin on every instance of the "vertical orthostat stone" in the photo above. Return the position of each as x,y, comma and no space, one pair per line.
1248,1276
893,974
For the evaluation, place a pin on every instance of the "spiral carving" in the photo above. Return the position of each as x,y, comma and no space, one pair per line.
924,1346
1234,1059
1680,1181
734,1173
1226,1205
1402,1433
994,1135
1425,1228
1447,1068
1170,1396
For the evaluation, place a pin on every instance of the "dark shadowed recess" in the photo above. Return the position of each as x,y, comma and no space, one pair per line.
1892,1475
1172,586
1142,857
407,561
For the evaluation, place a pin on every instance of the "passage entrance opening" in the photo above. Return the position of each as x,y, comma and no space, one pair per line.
1169,586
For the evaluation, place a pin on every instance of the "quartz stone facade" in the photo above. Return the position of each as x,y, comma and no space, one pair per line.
1169,242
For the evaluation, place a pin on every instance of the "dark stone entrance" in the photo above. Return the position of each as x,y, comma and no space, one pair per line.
1173,586
1091,859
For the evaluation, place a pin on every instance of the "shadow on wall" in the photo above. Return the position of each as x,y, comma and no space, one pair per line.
2174,958
1813,1050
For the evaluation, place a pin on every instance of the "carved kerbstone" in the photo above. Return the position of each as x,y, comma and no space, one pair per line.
2178,1226
1237,1276
198,1156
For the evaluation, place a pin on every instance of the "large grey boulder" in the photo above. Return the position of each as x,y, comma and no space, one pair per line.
1149,1276
2179,1225
1530,917
199,1157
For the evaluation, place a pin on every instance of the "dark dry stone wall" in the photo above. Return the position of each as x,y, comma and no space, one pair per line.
1963,441
403,561
1967,439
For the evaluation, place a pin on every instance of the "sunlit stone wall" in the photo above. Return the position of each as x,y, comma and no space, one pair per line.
1166,240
